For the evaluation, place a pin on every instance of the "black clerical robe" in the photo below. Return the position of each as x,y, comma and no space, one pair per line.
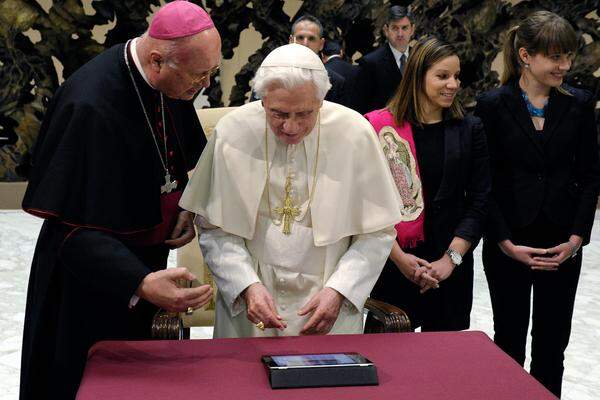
96,180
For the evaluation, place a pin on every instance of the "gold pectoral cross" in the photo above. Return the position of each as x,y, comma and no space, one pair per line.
289,211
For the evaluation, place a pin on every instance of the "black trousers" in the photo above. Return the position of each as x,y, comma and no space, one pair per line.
511,284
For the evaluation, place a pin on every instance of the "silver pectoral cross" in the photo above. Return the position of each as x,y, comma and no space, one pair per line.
169,185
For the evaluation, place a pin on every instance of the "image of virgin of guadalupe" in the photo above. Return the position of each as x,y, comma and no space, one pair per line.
404,171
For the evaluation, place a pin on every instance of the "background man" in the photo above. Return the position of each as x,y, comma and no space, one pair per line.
333,58
380,71
308,31
297,218
110,163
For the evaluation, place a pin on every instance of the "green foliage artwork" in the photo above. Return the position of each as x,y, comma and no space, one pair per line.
34,39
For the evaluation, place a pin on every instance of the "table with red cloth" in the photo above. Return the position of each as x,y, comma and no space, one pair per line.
441,365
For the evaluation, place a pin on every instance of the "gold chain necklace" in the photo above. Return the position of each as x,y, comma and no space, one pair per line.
289,211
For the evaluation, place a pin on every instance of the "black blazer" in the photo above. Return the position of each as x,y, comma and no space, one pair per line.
377,79
337,91
342,67
556,173
459,207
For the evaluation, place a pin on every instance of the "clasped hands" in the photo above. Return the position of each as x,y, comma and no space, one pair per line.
539,258
324,306
423,273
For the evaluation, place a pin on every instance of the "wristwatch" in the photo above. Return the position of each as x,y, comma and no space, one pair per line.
574,249
455,257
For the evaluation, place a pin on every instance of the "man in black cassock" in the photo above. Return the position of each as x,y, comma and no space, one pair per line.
109,167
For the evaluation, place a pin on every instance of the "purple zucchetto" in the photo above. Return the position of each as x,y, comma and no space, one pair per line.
179,19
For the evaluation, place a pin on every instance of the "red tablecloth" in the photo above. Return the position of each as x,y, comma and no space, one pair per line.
445,365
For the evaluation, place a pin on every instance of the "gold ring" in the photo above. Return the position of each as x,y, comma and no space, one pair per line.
260,325
190,310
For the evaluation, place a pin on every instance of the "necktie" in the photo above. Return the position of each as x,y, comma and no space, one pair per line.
402,62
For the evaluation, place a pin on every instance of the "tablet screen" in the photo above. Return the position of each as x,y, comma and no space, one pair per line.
308,360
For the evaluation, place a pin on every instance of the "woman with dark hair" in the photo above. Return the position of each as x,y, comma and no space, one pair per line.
545,178
438,158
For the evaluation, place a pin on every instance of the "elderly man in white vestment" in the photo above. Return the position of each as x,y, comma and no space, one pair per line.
295,206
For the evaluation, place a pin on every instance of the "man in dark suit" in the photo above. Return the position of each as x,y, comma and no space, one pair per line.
308,31
333,58
380,71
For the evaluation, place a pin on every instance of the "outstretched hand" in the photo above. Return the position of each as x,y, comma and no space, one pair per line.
161,289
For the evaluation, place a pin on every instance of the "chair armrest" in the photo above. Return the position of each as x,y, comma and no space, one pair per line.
385,318
167,325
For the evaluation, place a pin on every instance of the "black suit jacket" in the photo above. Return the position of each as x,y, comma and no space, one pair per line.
459,207
337,93
556,173
377,79
342,67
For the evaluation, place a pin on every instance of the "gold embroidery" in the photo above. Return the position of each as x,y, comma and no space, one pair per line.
289,211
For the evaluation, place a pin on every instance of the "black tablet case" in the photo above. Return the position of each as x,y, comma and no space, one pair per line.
322,376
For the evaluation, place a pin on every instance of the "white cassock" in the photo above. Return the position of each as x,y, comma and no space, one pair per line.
341,241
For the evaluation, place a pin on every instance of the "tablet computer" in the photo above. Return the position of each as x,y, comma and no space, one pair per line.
321,360
319,370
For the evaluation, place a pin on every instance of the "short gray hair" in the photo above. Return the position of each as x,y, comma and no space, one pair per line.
289,78
312,20
168,47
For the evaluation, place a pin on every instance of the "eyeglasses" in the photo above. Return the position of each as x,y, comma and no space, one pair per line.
196,79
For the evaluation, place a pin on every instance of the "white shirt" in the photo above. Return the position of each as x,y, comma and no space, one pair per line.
397,54
333,56
136,61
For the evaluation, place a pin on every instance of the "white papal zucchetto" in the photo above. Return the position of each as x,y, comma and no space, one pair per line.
293,55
